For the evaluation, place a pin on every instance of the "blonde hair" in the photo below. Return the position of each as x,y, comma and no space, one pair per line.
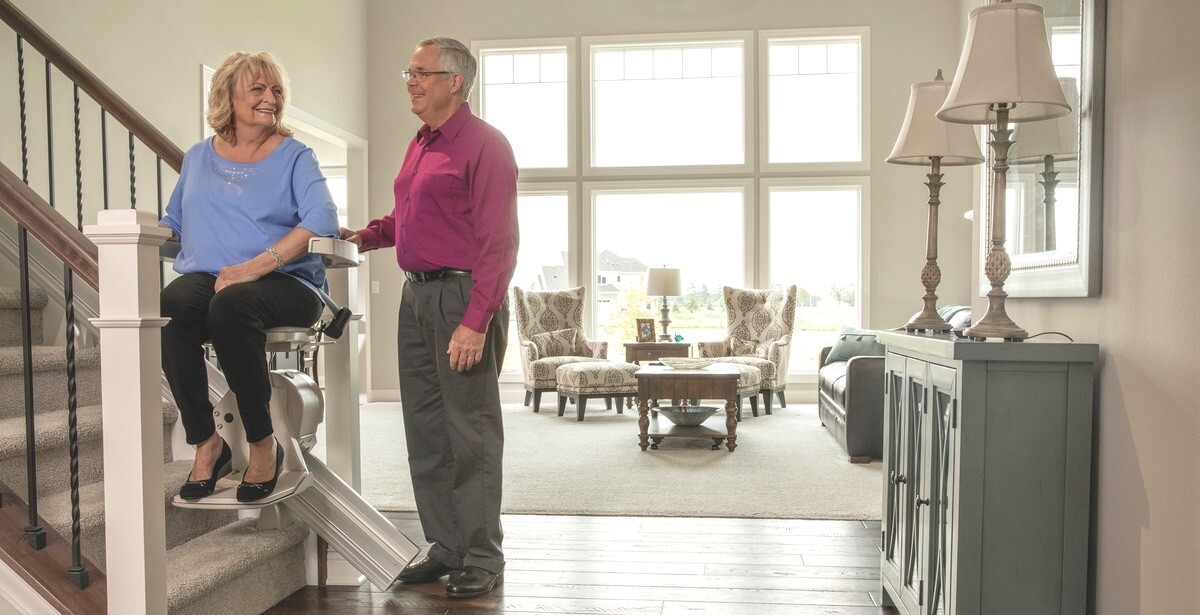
248,66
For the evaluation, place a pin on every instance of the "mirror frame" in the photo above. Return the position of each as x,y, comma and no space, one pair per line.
1081,277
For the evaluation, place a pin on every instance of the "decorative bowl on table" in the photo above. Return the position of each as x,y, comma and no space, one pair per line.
686,362
687,415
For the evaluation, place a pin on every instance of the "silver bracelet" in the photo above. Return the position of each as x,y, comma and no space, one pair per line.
275,254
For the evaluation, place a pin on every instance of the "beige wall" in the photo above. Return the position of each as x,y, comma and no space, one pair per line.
1148,469
928,32
150,52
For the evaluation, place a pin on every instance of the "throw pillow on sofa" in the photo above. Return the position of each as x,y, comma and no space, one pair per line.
560,343
852,343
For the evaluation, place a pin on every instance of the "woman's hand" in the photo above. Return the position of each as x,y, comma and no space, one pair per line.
248,271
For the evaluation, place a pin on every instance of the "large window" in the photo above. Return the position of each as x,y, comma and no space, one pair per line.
683,140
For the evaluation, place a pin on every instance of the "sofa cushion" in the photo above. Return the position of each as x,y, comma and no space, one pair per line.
832,380
852,343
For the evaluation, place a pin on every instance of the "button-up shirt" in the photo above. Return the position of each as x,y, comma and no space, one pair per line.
456,208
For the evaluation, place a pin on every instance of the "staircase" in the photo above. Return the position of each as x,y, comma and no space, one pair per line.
215,562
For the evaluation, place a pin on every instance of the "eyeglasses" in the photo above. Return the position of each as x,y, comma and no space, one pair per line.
421,75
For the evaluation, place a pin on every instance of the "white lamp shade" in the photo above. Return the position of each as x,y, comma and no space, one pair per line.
923,136
1005,60
1058,137
663,282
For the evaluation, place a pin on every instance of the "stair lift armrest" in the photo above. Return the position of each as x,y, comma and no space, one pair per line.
335,253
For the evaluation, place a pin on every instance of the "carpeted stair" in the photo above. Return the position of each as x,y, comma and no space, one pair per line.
215,563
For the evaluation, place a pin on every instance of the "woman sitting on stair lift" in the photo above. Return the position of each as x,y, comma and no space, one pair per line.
246,204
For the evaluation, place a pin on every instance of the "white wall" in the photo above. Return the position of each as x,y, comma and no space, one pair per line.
1147,546
928,33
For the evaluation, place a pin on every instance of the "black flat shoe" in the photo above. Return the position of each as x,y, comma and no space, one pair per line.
251,492
193,490
472,582
427,570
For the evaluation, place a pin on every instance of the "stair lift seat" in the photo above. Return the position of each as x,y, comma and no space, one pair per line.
309,490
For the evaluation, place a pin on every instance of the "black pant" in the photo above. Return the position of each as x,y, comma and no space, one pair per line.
234,319
452,425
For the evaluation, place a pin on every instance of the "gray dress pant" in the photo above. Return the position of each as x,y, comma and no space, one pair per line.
453,425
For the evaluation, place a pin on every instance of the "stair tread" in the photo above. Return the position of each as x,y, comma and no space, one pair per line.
209,561
50,428
55,509
10,298
45,358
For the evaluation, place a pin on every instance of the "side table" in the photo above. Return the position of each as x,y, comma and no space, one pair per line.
652,351
718,381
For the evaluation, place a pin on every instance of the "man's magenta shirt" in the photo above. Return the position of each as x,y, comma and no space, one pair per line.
456,208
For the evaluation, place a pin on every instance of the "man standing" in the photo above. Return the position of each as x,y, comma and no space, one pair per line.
455,231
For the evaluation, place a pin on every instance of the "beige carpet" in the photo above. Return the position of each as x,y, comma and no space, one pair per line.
786,466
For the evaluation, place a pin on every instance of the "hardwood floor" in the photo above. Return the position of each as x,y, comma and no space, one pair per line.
648,565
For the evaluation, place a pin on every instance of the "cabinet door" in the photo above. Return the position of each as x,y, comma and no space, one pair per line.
943,398
915,488
894,451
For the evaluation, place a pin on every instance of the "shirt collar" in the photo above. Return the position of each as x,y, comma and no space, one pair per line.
450,129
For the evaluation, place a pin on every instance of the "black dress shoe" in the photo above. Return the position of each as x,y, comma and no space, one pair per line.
427,570
472,582
251,492
193,490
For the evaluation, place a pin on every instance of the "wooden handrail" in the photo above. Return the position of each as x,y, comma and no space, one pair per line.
49,227
90,83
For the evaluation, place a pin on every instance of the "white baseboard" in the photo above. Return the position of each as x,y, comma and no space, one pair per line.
16,596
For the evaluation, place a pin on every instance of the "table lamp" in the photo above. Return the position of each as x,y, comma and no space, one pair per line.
663,282
1004,75
1046,143
926,140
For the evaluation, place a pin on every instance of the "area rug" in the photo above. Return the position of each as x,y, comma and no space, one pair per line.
786,466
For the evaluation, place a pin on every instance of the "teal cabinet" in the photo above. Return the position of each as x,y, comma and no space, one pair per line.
987,469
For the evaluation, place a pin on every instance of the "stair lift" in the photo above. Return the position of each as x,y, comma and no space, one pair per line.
306,488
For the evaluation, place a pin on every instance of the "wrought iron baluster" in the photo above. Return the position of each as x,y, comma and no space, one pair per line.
104,152
77,573
132,175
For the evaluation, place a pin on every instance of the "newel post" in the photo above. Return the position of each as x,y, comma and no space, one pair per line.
131,381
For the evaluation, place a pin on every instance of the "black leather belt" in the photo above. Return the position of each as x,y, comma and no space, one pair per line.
429,276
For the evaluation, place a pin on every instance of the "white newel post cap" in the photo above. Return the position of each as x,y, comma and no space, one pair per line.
127,241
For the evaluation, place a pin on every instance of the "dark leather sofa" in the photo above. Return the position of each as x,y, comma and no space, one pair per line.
850,392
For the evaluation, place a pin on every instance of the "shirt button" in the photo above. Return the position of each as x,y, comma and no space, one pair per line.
414,172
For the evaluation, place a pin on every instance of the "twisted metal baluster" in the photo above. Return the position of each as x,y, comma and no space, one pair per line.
77,573
132,175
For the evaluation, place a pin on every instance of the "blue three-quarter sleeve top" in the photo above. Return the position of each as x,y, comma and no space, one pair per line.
226,213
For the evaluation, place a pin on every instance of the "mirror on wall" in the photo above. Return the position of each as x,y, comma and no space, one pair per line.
1054,178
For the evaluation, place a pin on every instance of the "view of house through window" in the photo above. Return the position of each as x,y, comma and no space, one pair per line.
667,174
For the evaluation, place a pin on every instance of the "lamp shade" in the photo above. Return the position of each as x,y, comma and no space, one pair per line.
1058,137
663,282
1005,60
923,136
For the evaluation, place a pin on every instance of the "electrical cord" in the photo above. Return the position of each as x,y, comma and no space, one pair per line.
1069,338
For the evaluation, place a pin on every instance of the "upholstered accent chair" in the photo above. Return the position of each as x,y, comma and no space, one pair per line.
758,333
550,329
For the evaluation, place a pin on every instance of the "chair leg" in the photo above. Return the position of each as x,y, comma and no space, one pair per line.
528,397
579,407
767,401
562,404
782,401
754,405
537,400
608,403
620,404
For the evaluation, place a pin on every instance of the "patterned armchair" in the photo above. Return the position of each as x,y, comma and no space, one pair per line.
758,333
550,328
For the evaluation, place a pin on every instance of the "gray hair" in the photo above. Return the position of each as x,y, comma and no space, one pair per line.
456,57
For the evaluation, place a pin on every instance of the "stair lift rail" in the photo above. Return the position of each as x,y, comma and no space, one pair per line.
307,490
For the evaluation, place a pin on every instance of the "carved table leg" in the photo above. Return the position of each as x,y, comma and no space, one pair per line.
643,424
731,424
657,440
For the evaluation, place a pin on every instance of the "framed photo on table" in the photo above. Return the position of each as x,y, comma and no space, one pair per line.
645,329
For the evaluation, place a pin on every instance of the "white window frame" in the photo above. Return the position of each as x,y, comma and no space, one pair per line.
593,188
478,48
863,35
862,287
683,38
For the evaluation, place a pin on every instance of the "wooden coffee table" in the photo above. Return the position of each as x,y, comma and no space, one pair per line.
717,381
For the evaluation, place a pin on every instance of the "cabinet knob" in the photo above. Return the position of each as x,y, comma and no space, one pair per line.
900,479
922,501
